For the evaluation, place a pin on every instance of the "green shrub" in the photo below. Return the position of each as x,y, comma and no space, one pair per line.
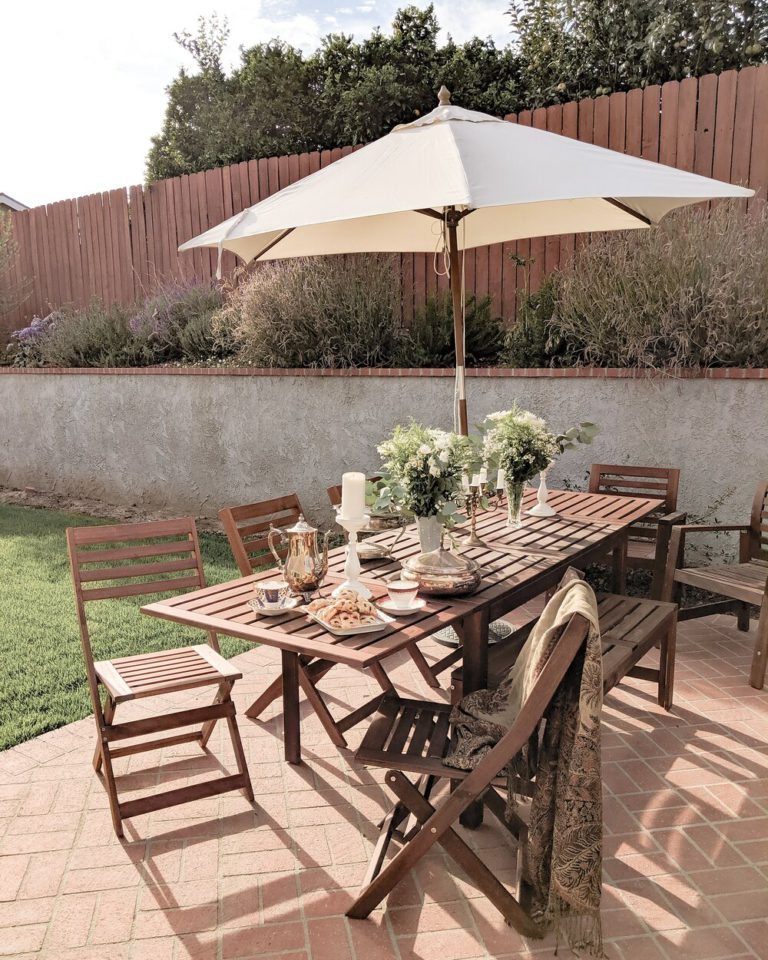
431,340
690,292
533,340
172,325
316,312
176,324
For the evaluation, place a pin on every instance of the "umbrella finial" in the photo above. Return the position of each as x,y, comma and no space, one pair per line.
443,96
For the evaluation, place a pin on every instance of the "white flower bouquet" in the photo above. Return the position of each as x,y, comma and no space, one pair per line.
423,469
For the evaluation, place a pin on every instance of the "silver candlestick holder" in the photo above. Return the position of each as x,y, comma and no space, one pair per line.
352,565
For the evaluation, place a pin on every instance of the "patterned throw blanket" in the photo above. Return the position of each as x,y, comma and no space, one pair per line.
566,818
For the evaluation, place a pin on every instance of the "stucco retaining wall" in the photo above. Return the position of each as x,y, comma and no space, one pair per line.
195,443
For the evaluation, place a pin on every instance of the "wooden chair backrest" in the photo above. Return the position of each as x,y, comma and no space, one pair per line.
758,546
106,562
247,529
626,480
334,492
527,722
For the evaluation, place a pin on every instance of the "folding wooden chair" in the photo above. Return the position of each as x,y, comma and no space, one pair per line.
648,538
743,584
413,736
131,560
246,528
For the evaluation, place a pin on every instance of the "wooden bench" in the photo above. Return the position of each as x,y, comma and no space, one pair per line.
629,628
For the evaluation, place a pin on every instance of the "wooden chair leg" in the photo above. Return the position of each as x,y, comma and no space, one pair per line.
221,695
760,656
237,746
109,782
667,667
742,617
109,716
619,568
273,692
466,858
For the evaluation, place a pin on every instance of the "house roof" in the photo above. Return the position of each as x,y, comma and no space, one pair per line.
6,201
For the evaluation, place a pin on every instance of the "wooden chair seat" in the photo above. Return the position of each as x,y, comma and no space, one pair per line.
740,581
629,628
641,553
151,674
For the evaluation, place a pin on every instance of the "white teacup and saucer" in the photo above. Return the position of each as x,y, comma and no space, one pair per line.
402,600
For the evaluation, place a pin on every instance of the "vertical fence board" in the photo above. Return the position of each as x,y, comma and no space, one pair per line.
758,165
704,138
742,129
725,118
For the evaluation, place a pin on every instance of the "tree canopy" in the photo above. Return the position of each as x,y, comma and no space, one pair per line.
278,101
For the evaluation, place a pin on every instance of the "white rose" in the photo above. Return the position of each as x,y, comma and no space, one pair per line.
425,450
445,456
434,471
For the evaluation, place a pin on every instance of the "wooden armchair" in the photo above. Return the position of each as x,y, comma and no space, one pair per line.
247,528
742,583
131,560
413,737
648,539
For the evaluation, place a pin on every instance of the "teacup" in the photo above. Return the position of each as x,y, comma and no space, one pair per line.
271,593
402,593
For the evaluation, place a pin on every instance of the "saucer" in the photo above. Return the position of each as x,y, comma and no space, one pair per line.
394,611
289,604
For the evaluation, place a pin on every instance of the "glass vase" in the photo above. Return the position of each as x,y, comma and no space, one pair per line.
515,503
430,531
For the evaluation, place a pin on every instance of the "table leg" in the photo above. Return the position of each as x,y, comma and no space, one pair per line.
291,720
620,566
475,671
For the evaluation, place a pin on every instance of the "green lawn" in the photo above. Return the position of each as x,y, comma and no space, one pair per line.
42,677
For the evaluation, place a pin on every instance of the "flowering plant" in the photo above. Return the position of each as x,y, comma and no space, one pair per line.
423,469
519,443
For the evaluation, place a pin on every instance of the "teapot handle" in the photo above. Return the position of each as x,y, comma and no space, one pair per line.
273,534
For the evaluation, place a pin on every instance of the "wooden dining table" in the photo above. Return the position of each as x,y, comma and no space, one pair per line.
517,564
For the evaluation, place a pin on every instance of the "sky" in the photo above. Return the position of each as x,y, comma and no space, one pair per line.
84,82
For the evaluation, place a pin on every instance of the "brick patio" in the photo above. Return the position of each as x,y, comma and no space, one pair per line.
686,858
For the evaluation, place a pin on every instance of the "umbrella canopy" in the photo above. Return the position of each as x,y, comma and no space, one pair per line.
453,180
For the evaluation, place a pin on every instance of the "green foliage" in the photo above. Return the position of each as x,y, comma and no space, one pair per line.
276,101
316,312
42,675
533,341
432,344
689,293
570,49
172,325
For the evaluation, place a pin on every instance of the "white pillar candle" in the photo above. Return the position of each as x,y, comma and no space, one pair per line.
476,480
353,495
465,482
501,477
484,474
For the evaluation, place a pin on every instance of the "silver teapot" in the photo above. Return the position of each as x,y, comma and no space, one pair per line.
305,565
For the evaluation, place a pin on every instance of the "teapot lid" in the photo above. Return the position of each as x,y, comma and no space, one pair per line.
301,526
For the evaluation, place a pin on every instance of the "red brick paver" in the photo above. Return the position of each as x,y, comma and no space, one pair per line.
686,843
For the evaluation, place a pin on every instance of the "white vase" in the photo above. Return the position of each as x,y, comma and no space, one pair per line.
542,508
430,531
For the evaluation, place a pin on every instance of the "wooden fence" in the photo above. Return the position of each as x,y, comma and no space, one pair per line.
119,245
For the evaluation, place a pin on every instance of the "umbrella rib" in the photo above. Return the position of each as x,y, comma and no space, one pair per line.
274,243
629,210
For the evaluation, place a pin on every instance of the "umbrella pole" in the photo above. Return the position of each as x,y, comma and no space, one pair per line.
457,297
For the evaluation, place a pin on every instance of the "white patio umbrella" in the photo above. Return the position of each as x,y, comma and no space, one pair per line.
453,180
